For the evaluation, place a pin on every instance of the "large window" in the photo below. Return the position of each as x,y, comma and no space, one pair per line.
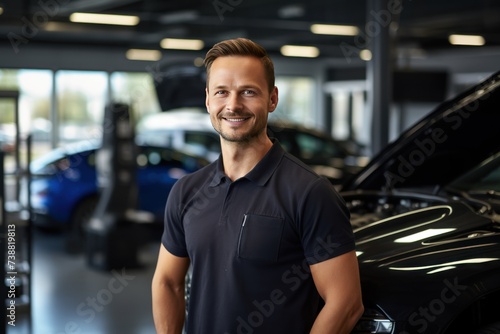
81,99
34,89
61,107
137,90
295,101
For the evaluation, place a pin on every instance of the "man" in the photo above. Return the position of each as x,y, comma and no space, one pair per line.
269,241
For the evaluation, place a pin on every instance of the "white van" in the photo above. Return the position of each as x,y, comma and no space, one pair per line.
185,129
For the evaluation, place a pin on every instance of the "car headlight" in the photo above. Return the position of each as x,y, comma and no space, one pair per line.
373,321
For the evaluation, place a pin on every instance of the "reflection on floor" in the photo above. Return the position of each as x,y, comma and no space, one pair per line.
69,297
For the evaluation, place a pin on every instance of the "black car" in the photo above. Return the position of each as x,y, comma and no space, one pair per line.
336,160
426,218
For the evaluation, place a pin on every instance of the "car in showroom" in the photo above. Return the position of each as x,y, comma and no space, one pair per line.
64,186
190,129
426,218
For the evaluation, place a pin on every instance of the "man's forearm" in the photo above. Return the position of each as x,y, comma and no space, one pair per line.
168,308
332,320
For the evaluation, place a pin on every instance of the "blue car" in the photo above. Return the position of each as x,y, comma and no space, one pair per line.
64,188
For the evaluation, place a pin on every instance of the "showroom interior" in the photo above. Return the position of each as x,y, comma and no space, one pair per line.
361,73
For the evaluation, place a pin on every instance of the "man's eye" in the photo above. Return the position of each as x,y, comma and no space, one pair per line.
220,92
248,92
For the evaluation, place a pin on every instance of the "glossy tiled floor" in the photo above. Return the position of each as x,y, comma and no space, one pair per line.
69,297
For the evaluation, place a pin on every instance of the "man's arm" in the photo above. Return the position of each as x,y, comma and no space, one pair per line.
337,281
168,292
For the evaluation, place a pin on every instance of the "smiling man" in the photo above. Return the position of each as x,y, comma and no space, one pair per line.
269,241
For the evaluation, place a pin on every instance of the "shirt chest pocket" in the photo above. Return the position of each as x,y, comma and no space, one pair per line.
260,238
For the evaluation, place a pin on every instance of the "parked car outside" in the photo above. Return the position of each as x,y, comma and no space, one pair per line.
64,188
425,214
190,129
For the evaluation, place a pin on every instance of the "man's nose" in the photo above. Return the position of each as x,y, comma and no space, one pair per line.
234,102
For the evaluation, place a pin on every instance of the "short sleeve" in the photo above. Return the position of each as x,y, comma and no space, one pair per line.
325,226
174,238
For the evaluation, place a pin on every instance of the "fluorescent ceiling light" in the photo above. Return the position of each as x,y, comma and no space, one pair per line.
124,20
299,51
473,40
424,235
333,29
182,44
142,54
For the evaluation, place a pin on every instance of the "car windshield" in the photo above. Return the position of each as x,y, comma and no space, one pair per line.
481,186
485,178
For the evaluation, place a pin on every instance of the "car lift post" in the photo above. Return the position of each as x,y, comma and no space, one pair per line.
112,236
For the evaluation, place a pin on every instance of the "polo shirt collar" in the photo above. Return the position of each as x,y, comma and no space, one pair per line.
261,173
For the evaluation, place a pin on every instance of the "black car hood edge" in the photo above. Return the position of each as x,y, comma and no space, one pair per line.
455,136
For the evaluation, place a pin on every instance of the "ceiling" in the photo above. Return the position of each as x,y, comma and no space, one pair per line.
420,25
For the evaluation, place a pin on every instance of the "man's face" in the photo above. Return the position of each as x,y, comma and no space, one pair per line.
238,98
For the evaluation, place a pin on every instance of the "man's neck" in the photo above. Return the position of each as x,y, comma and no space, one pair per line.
241,158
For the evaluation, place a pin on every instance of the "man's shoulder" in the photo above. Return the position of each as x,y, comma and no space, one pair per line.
200,176
295,175
293,165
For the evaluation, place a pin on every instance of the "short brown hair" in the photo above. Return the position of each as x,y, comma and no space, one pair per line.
241,47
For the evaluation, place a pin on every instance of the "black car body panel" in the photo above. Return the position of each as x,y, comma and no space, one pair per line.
428,245
423,285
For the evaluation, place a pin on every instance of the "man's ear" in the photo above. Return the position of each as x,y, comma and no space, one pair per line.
206,100
273,99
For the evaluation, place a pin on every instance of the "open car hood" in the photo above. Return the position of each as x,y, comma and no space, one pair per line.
454,137
180,85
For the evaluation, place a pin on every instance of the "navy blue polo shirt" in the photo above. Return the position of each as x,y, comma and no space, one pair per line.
251,242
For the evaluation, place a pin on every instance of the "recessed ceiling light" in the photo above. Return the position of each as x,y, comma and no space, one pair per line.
182,44
291,11
299,51
334,29
198,62
365,55
125,20
472,40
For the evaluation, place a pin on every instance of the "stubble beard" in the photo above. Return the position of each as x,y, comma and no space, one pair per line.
243,138
239,138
